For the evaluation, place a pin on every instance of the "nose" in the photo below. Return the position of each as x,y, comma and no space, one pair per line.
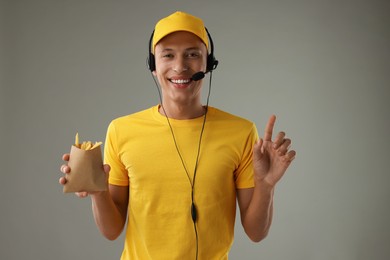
180,65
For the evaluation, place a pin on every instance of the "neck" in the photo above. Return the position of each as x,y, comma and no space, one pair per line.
181,112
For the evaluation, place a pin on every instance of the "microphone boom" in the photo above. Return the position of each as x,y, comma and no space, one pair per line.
198,76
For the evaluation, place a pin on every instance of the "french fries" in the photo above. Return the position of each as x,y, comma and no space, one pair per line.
86,145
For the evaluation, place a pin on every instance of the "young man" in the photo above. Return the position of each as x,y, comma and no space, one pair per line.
175,170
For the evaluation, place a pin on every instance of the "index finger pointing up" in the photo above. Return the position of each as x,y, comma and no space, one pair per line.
269,128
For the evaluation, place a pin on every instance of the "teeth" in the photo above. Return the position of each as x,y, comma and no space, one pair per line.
180,81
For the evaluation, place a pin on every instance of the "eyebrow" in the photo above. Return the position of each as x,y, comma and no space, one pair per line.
188,49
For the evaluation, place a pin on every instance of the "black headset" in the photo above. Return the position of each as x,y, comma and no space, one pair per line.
212,63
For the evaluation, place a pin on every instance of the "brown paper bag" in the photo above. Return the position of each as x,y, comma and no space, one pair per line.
86,172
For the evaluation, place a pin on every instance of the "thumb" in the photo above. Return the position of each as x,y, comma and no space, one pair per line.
106,168
258,150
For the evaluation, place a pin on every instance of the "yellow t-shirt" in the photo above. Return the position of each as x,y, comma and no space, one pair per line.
142,155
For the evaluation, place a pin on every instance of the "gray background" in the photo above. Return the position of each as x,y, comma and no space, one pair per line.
321,66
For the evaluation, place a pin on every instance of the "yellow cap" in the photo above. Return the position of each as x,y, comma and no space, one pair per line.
179,21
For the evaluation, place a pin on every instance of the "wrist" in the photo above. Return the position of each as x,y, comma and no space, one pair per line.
99,195
264,185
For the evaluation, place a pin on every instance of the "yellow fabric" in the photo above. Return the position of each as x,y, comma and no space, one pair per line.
179,21
142,154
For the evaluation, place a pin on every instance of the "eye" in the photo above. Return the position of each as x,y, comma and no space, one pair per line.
193,54
167,55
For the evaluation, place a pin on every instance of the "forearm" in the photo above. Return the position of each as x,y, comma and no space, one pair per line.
258,218
108,217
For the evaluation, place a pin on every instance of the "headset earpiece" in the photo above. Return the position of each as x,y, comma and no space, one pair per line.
151,58
212,63
151,62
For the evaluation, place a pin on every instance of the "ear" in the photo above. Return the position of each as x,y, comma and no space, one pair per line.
154,73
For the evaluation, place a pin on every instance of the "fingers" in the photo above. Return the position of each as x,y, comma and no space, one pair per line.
279,140
62,181
290,156
283,149
64,169
282,146
269,128
281,143
82,194
65,157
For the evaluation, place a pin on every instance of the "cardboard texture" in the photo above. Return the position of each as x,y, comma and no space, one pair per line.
86,172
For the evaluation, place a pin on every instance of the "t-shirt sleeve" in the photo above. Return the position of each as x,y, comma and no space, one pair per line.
118,174
244,172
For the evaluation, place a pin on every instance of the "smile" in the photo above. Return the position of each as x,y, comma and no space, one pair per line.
180,81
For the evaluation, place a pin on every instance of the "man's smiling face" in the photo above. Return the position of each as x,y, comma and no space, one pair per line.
179,56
